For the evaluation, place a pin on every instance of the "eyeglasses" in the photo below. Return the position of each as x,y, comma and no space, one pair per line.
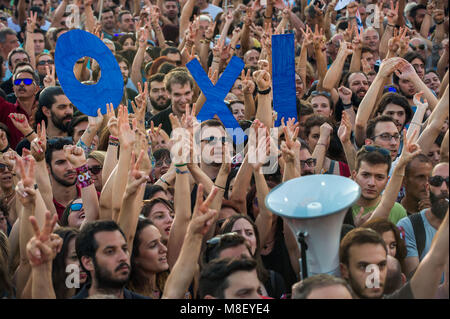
212,139
370,149
76,207
25,81
437,180
95,169
311,162
44,62
388,137
316,93
420,47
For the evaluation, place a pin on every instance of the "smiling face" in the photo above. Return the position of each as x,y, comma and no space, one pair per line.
432,81
152,256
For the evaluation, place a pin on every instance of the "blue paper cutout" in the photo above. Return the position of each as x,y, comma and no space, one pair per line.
215,94
283,77
74,45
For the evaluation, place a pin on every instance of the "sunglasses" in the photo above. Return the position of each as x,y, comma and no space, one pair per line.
76,207
419,47
370,149
316,93
212,139
3,167
388,137
216,241
311,162
44,62
25,81
437,180
95,169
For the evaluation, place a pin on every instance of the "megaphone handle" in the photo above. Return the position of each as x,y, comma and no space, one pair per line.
303,248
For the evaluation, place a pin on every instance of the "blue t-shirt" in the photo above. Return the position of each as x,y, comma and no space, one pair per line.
410,238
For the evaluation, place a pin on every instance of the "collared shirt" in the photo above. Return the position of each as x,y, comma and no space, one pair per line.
6,108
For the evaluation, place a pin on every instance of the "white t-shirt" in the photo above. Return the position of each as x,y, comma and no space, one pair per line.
12,25
212,10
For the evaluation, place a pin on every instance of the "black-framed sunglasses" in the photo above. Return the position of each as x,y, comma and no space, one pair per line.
370,149
419,47
388,137
216,241
311,162
437,181
95,169
44,62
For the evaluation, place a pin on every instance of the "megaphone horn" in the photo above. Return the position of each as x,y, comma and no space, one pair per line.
314,207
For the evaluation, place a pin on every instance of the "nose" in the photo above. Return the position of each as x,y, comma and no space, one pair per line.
371,180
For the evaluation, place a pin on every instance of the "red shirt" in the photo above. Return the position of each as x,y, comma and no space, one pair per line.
6,108
60,208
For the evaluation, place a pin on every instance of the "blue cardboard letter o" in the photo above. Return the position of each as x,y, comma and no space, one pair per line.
74,45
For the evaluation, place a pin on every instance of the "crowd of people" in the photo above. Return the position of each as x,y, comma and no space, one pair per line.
146,201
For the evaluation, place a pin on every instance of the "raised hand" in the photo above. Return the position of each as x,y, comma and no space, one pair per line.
31,22
405,70
290,148
392,14
140,107
345,128
262,79
345,94
136,177
20,122
25,187
417,99
49,79
96,121
308,36
248,86
345,49
112,122
359,219
75,155
388,66
44,245
39,144
410,149
203,216
126,135
319,38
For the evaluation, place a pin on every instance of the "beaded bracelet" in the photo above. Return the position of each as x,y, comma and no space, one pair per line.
179,171
83,177
115,139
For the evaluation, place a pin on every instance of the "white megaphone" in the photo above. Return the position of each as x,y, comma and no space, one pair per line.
314,207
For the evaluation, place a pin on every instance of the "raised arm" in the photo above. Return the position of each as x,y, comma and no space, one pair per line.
263,81
186,13
344,133
444,148
417,120
85,141
333,74
426,279
136,67
437,119
390,194
132,198
248,87
59,13
76,156
29,39
127,139
367,105
320,150
41,249
90,19
186,266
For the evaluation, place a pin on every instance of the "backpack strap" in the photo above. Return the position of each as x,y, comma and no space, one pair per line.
419,231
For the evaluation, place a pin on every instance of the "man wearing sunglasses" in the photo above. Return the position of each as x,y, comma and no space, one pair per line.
421,228
25,89
42,61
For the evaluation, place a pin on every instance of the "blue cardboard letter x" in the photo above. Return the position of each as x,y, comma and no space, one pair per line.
215,95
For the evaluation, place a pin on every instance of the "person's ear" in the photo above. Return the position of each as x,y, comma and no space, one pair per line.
46,111
87,263
209,297
354,173
344,270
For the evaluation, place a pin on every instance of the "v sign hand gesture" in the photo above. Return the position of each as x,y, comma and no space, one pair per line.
203,216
